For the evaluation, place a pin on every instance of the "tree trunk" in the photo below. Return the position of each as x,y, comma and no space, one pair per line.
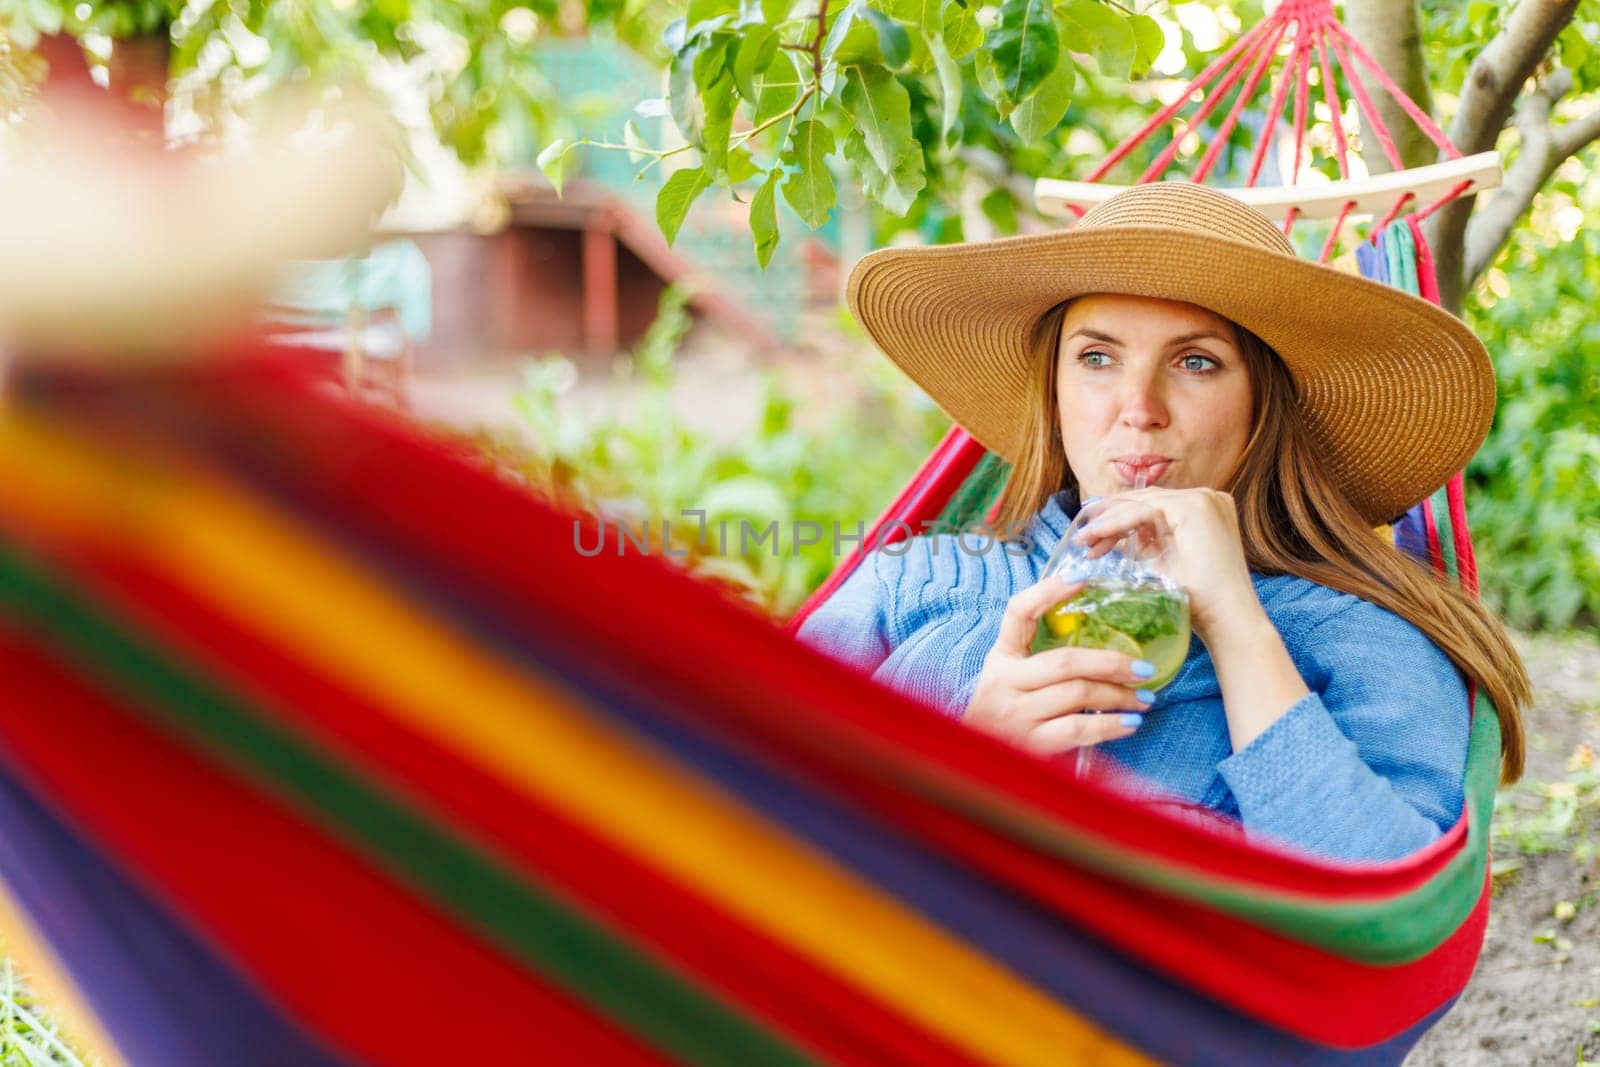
1391,30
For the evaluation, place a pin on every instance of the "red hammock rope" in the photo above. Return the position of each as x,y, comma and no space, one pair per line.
1295,32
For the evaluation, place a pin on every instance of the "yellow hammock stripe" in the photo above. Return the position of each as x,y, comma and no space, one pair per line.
324,608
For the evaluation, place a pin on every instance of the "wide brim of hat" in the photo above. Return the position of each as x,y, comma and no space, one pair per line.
1397,392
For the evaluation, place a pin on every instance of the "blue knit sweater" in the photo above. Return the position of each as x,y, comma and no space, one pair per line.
1367,767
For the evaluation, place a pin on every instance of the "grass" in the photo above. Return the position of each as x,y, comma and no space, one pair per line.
28,1036
1531,818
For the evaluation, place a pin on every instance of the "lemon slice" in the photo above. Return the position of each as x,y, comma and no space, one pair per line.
1100,635
1063,620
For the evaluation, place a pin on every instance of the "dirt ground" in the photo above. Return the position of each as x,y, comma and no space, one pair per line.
1535,998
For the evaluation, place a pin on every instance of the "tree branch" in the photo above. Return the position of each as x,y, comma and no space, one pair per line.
1496,77
1488,96
1544,148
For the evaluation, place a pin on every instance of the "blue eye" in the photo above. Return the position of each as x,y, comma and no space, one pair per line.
1094,358
1200,363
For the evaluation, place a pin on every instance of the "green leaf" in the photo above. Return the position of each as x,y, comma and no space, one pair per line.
1025,45
1000,208
553,161
962,34
949,87
881,108
1093,28
764,218
895,189
922,14
989,82
705,10
683,94
775,11
852,38
1149,42
711,61
672,202
893,42
777,88
720,104
753,54
1041,113
741,165
809,190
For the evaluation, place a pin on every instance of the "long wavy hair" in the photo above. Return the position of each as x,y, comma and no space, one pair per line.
1293,519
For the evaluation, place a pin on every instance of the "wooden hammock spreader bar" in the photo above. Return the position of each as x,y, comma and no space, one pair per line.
1355,196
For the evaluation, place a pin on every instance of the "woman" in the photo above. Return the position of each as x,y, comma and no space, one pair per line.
1258,415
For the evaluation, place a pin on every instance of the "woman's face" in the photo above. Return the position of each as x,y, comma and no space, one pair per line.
1150,386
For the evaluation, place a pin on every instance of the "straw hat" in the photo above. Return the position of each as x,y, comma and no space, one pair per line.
1398,393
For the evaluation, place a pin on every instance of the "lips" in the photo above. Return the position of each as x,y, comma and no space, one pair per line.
1152,467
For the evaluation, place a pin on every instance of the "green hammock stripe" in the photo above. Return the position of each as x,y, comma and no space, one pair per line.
1391,930
480,893
1447,540
976,496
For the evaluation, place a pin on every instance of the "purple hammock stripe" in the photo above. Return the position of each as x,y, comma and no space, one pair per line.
164,999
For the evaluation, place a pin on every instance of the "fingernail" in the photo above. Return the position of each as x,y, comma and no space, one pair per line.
1133,721
1144,668
1145,696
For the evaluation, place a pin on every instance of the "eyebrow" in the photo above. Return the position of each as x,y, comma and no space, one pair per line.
1174,342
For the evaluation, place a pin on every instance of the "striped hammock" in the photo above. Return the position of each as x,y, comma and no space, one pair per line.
322,745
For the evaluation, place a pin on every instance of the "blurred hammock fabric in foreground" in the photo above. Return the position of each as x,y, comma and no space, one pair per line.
334,712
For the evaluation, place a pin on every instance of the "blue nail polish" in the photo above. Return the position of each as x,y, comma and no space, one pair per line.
1144,668
1133,720
1145,696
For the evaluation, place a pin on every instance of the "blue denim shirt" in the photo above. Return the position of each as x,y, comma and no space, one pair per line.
1369,766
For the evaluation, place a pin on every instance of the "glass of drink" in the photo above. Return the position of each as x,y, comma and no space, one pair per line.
1126,604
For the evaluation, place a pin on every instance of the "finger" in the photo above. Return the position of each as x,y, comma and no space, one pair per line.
1095,664
1067,732
1021,618
1126,517
1081,695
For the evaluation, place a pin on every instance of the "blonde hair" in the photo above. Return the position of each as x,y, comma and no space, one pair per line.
1293,519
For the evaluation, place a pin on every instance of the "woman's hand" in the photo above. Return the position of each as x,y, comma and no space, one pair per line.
1037,701
1197,530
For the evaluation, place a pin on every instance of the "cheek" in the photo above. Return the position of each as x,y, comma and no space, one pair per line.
1232,419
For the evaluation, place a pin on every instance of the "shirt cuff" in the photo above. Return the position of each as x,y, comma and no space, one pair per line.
1276,762
1302,783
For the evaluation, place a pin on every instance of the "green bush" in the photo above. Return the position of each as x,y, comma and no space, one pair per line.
640,459
1535,500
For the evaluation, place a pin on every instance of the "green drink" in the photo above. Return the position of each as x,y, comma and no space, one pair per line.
1146,620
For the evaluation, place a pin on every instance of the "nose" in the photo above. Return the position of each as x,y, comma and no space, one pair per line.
1142,406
